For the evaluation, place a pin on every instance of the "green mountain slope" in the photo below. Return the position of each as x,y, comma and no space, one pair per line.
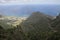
5,25
56,23
36,22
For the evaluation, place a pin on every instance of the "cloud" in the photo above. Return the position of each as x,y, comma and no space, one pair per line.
29,1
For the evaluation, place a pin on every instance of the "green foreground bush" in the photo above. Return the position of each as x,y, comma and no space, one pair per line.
12,34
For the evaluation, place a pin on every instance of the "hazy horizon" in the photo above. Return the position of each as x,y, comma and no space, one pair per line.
26,7
26,10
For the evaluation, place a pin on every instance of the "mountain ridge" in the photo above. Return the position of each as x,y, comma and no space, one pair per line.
37,21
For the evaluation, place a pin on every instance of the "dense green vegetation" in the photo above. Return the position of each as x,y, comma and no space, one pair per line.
13,34
30,30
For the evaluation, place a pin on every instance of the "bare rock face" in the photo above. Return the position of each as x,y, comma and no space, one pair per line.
37,21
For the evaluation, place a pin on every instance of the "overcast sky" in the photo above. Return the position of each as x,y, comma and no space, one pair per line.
29,2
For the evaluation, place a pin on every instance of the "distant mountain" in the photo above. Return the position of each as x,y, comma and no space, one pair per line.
1,15
38,22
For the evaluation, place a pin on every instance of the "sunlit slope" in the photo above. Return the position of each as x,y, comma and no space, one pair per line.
10,21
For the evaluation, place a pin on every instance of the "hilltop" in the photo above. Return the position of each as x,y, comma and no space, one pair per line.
37,21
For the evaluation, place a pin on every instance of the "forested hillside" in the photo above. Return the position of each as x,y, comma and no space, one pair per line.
37,26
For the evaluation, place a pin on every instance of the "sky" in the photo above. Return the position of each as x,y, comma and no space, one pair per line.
26,10
26,7
7,2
